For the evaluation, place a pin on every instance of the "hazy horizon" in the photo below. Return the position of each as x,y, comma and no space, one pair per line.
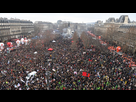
72,17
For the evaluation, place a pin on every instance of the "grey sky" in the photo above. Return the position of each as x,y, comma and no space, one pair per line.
73,17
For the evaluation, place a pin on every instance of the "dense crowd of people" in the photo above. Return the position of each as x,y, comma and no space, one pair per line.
107,71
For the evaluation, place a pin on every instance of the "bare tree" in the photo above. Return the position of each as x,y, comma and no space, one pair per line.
124,48
74,41
91,29
129,38
110,34
89,40
98,33
85,39
37,29
73,46
131,30
75,37
82,36
48,36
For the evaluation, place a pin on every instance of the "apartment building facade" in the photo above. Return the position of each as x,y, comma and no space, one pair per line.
44,25
14,28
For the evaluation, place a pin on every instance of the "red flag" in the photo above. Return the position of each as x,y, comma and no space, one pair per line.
88,75
90,60
84,74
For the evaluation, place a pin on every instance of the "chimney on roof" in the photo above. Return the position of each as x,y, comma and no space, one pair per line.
126,20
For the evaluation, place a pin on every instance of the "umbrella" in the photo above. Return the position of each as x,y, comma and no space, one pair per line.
8,43
50,49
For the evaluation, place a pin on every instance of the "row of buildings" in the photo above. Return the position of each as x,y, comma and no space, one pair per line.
122,26
65,27
72,27
44,25
14,28
49,25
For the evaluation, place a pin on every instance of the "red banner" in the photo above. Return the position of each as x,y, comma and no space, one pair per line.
84,74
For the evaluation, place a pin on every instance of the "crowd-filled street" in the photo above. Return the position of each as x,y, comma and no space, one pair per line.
84,69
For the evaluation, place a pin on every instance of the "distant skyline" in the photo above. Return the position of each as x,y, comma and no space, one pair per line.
72,17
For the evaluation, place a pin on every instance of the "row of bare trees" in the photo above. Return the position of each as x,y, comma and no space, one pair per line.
112,36
122,39
87,41
47,37
74,41
130,37
84,38
37,30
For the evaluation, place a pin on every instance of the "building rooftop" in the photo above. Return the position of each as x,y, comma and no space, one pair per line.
12,20
111,19
122,19
41,22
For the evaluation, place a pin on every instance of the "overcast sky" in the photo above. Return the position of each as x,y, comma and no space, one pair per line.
73,17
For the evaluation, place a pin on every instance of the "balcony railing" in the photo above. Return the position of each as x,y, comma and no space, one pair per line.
1,28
